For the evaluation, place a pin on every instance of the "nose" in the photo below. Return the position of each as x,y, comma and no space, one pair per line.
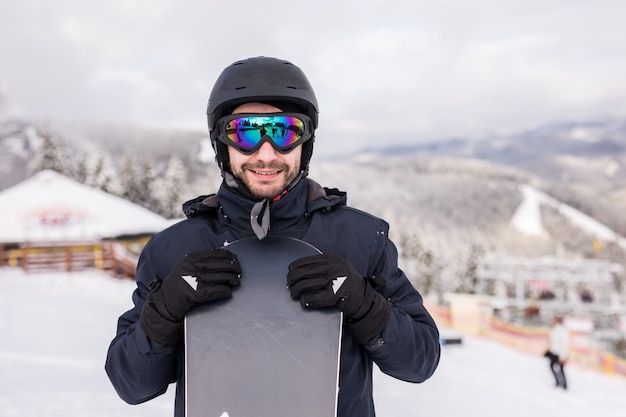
266,152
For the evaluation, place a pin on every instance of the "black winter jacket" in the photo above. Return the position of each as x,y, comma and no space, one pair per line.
408,348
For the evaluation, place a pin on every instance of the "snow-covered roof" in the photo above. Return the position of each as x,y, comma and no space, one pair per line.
51,207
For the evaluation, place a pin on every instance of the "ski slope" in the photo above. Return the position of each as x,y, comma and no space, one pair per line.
527,218
55,329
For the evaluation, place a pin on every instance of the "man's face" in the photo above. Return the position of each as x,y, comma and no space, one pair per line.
266,172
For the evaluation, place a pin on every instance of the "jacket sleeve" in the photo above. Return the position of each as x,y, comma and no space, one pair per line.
140,369
408,347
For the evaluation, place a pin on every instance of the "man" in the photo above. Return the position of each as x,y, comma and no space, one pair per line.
558,351
264,193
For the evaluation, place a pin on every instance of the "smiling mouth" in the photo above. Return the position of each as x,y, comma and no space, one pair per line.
265,172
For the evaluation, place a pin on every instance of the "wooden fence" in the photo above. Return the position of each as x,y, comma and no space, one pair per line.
109,256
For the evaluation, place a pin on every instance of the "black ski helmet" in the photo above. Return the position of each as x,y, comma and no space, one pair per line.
265,80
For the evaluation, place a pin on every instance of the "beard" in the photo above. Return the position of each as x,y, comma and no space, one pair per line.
260,189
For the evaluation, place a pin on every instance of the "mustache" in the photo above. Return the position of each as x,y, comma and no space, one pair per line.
262,165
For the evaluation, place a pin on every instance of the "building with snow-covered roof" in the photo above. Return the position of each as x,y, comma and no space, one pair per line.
56,215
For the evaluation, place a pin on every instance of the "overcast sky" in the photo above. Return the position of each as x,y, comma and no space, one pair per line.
385,72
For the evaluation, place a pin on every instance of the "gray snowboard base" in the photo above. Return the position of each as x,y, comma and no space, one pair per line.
260,354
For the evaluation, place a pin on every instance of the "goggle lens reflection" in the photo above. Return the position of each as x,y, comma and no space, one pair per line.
247,132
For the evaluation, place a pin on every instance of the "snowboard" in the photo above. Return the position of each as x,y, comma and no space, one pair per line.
259,353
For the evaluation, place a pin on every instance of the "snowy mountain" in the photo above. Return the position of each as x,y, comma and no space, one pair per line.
568,152
581,162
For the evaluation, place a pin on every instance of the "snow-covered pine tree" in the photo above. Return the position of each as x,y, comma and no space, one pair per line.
101,173
50,154
147,179
81,171
172,189
131,181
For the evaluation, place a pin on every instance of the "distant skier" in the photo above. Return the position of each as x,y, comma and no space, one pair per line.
558,351
265,193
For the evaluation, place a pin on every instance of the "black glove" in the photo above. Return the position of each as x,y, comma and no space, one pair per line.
201,276
331,281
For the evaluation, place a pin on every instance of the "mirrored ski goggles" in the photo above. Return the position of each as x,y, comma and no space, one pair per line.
247,132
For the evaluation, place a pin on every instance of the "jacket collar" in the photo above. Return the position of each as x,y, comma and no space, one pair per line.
288,212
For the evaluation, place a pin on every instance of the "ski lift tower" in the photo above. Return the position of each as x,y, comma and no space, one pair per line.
526,279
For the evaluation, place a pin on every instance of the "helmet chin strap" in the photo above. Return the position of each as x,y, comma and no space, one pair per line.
260,226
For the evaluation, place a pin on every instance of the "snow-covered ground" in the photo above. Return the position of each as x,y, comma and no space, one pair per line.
55,329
